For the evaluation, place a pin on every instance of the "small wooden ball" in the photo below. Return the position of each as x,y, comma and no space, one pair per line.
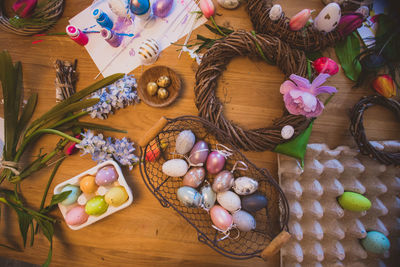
162,93
152,88
164,81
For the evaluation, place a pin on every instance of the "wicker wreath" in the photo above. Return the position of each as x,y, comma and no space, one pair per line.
44,17
309,39
358,131
214,62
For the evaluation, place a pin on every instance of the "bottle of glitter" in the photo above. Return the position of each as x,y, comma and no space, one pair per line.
77,35
102,19
111,37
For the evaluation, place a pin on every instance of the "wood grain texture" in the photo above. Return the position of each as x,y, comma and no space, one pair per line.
145,234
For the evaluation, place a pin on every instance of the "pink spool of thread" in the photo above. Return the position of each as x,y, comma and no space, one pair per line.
77,35
111,37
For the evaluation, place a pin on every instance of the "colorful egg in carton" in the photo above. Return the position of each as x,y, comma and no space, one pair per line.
325,234
95,194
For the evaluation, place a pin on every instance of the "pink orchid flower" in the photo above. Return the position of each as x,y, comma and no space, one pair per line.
300,96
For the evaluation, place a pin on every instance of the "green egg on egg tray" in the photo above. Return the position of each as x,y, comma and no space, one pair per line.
354,202
96,206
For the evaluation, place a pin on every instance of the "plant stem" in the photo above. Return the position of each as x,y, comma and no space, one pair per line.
49,183
216,26
70,118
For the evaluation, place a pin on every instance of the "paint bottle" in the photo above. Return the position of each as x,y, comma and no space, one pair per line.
102,19
77,35
111,37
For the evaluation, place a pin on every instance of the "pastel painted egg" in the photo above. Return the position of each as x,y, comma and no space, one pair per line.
76,216
221,218
245,186
106,175
244,221
229,201
116,196
96,206
199,153
215,162
161,8
328,19
88,184
175,167
375,242
209,196
275,12
73,196
184,142
298,21
354,202
189,197
194,177
223,181
149,51
254,202
229,4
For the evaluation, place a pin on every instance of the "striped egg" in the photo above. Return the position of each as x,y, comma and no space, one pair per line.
149,51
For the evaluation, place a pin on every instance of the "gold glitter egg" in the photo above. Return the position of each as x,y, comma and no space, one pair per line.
164,81
162,93
152,88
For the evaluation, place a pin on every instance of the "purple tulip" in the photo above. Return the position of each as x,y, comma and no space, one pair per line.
349,23
24,8
161,8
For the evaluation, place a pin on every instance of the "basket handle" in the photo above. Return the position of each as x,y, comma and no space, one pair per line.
153,131
275,245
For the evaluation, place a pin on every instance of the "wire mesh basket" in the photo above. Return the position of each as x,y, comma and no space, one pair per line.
270,232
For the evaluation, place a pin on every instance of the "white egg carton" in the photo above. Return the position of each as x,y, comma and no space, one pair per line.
323,234
102,190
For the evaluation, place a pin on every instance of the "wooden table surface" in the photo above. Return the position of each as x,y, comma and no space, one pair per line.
145,233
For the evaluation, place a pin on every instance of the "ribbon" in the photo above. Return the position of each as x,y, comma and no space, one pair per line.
11,165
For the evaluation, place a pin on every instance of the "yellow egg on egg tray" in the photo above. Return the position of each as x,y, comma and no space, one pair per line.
88,184
116,196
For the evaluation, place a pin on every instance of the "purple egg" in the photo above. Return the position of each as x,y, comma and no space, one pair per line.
215,162
199,153
223,181
106,175
161,8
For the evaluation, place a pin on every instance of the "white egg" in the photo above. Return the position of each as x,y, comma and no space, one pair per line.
149,51
229,200
175,167
364,10
328,18
184,142
275,12
244,221
229,4
245,186
119,8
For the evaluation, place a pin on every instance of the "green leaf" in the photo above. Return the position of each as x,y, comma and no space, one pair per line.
99,127
48,231
49,255
57,198
347,52
214,30
32,234
5,246
27,113
24,220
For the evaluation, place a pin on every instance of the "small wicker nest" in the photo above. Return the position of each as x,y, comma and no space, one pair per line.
308,39
44,17
358,131
214,62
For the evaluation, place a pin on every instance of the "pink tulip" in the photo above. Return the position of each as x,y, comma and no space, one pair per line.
384,85
207,7
349,23
326,65
24,8
299,20
71,148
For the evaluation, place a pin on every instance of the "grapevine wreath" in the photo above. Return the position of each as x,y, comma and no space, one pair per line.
214,62
358,131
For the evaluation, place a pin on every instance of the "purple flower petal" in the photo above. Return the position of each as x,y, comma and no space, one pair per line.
287,86
321,78
301,82
318,110
307,100
325,89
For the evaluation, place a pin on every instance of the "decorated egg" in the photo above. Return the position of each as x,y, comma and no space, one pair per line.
229,201
223,181
189,197
76,216
194,177
298,21
215,162
375,242
184,142
175,167
325,65
106,175
244,221
162,93
149,51
354,202
88,184
163,81
275,12
119,8
209,196
139,7
363,10
245,186
96,206
221,218
328,18
199,153
73,195
116,196
161,8
229,4
152,88
254,202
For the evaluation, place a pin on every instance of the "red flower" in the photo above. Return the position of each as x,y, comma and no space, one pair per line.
349,23
24,8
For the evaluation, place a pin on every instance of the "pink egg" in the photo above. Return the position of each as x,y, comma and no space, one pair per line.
221,218
76,216
106,175
215,162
